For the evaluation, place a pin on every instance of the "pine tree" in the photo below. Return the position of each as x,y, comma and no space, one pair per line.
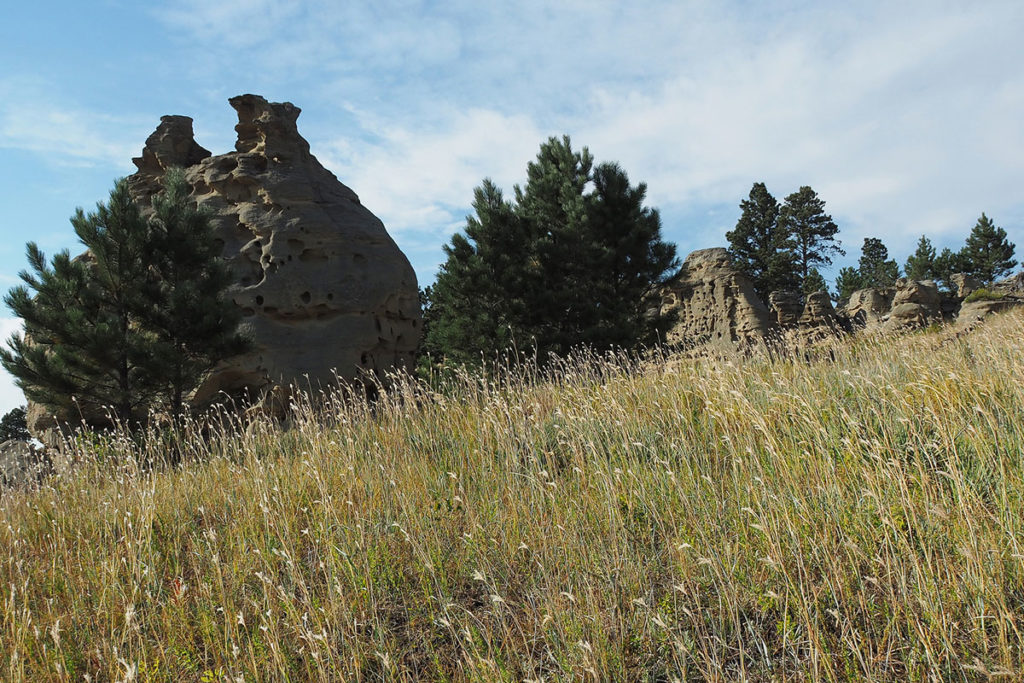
558,267
757,245
130,325
814,283
875,267
479,302
949,263
848,282
988,254
193,321
921,264
810,232
82,352
13,425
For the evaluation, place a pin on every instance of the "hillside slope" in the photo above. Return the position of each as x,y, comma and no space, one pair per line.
858,518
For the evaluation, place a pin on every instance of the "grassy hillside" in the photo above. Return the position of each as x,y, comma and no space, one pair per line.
859,518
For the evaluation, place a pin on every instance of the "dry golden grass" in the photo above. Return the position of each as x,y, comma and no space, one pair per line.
854,519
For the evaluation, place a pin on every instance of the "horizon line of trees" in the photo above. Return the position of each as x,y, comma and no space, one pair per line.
572,258
781,246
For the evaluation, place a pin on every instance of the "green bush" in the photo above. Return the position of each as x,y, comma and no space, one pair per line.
982,295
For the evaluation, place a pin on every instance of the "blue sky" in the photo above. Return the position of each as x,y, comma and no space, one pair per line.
905,117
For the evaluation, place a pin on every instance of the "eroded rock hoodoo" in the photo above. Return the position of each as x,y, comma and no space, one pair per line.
323,287
716,304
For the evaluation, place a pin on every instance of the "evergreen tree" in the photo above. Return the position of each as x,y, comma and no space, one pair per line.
810,232
82,351
814,283
480,300
921,264
848,282
131,324
950,262
875,267
558,267
193,321
988,254
757,245
13,426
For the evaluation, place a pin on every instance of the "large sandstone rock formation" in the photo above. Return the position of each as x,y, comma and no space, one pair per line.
323,287
717,304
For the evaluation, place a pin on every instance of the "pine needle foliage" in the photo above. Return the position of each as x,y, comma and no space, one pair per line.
131,325
575,259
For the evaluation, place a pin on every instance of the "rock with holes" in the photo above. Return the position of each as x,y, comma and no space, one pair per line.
324,289
716,304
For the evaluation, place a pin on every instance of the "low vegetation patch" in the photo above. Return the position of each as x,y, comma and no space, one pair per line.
853,519
983,294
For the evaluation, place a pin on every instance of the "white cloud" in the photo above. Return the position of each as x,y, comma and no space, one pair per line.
904,117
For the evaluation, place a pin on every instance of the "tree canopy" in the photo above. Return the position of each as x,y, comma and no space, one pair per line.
130,325
574,259
811,233
759,246
988,255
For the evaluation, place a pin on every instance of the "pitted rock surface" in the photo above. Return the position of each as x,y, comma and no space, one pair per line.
716,303
324,289
786,307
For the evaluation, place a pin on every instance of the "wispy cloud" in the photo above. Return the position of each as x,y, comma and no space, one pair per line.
33,120
905,117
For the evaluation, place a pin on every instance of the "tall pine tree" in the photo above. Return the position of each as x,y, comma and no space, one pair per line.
193,321
576,259
921,264
811,233
82,351
875,267
132,324
759,247
988,254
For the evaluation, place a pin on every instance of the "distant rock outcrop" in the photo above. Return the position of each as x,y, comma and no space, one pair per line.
716,304
785,307
818,321
323,287
867,308
22,463
916,303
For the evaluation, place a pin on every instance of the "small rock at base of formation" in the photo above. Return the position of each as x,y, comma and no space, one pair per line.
22,463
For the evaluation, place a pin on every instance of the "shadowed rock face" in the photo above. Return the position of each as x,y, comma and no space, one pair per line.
321,284
786,307
716,304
